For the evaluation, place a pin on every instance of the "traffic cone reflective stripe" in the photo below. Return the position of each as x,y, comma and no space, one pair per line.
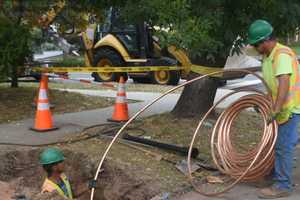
121,89
42,92
43,117
43,106
43,95
121,99
120,113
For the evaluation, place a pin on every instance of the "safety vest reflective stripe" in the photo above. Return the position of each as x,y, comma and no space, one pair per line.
293,89
296,86
50,186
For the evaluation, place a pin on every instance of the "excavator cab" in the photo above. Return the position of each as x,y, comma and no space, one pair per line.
136,39
118,43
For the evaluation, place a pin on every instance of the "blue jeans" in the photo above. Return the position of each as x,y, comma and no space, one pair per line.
284,152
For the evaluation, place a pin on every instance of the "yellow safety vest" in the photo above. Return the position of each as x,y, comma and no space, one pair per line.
50,186
293,98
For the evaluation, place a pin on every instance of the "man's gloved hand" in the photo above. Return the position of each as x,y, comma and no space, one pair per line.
92,184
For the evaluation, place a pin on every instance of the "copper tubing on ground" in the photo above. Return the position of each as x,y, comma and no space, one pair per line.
233,162
199,125
251,165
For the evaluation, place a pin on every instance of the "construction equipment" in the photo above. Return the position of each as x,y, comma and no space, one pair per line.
115,43
119,45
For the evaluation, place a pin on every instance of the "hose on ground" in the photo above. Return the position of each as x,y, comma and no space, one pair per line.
258,156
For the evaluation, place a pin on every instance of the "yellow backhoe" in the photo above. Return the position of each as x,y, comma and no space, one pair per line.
115,43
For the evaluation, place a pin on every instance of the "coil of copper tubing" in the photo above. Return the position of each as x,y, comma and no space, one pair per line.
248,166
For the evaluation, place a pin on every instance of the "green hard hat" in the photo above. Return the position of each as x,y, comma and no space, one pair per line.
50,156
258,31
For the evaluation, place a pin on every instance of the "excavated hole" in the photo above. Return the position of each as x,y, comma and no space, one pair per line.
22,174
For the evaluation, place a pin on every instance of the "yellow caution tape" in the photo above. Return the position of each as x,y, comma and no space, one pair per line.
106,69
194,68
206,70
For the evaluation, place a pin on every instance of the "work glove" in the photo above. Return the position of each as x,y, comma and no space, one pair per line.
92,184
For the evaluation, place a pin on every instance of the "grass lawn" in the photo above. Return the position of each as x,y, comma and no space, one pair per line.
17,103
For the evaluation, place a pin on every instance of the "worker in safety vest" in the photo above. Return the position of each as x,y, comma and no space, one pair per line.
52,160
281,72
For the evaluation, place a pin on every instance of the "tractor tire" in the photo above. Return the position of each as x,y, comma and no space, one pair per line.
165,77
109,58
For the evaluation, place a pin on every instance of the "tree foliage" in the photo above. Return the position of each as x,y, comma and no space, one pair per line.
208,28
19,20
14,42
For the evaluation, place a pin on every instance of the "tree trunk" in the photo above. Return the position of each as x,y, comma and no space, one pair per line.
196,98
199,96
14,77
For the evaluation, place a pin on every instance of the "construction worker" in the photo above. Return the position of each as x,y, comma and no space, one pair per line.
52,161
281,72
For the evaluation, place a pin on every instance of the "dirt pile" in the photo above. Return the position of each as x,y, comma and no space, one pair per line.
5,190
21,174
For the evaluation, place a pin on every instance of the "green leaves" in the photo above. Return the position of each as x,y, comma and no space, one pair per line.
14,42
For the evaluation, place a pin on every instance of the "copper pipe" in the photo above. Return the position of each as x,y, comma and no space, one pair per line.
199,125
241,167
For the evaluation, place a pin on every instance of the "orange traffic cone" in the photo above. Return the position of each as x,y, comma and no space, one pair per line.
35,100
43,117
121,108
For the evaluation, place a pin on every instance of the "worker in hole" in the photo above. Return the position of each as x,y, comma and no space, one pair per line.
52,160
